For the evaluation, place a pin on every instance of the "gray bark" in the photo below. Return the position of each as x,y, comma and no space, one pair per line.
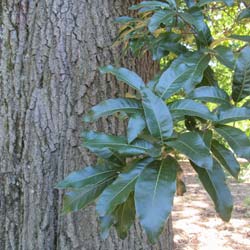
50,52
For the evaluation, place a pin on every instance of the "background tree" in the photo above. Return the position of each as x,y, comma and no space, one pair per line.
50,52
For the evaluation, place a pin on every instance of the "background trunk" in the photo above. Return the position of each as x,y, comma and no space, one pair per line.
50,52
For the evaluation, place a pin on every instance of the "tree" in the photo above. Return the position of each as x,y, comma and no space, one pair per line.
50,52
184,109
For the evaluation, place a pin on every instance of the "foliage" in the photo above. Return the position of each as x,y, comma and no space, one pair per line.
137,174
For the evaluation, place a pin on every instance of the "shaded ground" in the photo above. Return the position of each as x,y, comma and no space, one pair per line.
196,225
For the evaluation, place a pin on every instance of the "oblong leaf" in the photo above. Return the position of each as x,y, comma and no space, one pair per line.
80,198
154,193
244,14
184,72
233,114
118,192
241,78
95,141
214,182
111,106
192,145
226,158
236,139
86,176
125,75
135,126
157,115
191,108
241,38
210,94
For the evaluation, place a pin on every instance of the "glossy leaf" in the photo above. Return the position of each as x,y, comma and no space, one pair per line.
214,182
233,114
125,216
125,75
240,37
118,192
205,2
192,145
225,56
154,193
184,72
86,176
160,17
157,115
80,198
99,141
226,158
183,107
135,126
210,94
111,106
241,79
236,139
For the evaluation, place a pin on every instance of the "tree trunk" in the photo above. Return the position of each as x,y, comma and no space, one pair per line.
50,53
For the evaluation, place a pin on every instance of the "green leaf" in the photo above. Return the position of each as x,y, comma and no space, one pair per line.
86,176
80,198
95,141
184,72
125,75
125,216
210,94
225,56
233,114
154,193
208,78
118,192
160,17
244,14
241,79
241,38
226,158
192,145
236,139
188,107
157,115
152,4
205,2
111,106
106,223
135,126
214,182
207,136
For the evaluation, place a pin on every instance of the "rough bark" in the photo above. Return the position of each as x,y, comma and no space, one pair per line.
50,52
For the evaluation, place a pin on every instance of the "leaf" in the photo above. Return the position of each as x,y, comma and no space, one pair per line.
233,114
86,176
154,193
152,4
118,192
159,17
210,94
106,223
135,126
157,115
125,216
190,108
207,136
192,145
125,75
241,38
244,14
208,78
95,142
241,79
184,72
205,2
111,106
236,139
225,56
226,158
215,184
80,198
